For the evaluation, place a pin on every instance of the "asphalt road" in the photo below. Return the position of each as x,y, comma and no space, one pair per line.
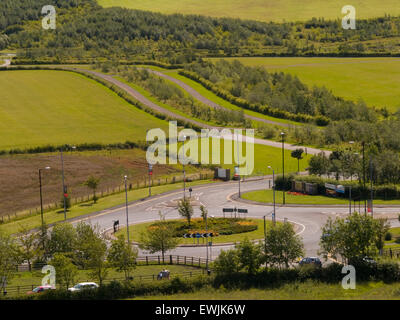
214,197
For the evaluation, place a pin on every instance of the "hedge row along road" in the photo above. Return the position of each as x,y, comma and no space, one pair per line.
206,101
142,99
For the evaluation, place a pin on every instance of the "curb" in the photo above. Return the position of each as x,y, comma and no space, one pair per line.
235,197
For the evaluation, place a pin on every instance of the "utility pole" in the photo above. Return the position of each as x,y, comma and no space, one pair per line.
63,184
363,164
238,161
150,174
372,191
265,235
127,213
349,199
273,188
283,164
183,166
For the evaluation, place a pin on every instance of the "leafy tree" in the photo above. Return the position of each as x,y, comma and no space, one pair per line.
297,154
353,237
382,228
63,239
122,256
9,257
66,271
92,183
28,246
227,262
185,209
91,250
282,245
158,238
249,255
204,212
319,164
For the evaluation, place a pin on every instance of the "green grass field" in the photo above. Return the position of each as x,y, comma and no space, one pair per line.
56,107
295,291
264,156
54,216
267,197
137,229
263,10
375,80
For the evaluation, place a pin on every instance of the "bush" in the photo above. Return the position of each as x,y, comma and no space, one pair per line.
388,236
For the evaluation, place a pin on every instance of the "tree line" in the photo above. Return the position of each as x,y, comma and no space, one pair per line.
93,31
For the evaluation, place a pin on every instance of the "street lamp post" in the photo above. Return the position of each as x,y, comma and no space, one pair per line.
205,217
363,163
126,206
41,196
265,235
283,164
273,188
183,167
238,170
63,184
372,192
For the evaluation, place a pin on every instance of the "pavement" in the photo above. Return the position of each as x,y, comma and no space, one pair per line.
214,197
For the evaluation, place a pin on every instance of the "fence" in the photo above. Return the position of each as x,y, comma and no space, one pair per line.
17,290
143,261
393,253
109,191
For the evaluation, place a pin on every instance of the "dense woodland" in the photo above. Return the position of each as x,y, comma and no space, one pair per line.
86,30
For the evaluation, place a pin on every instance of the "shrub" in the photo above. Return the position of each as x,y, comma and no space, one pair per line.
388,236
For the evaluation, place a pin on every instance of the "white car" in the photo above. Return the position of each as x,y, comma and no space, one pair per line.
83,286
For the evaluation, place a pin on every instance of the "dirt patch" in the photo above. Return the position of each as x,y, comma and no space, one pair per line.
19,178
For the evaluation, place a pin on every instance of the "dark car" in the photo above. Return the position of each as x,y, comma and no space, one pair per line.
41,289
311,261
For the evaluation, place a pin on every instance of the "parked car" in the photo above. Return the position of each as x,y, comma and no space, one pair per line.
369,260
83,286
40,289
311,260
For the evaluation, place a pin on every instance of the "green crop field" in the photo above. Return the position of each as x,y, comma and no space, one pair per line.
375,80
263,10
55,107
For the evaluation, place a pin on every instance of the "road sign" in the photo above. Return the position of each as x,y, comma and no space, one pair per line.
242,211
187,235
198,235
227,210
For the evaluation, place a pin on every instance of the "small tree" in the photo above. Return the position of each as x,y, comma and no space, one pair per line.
63,239
381,228
249,255
91,251
185,209
282,245
93,183
204,212
28,246
9,257
351,238
122,256
66,271
158,238
297,154
227,262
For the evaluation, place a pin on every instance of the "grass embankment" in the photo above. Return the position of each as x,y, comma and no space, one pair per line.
378,79
54,216
266,196
137,229
296,291
41,107
262,10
